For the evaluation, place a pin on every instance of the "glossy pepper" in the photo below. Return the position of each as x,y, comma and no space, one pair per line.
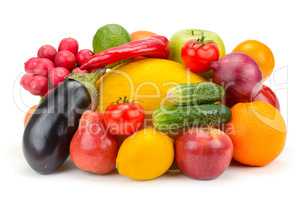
155,46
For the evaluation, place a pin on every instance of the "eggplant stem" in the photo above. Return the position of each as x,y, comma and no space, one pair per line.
88,80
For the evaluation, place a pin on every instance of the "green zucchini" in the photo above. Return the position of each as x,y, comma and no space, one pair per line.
195,93
177,117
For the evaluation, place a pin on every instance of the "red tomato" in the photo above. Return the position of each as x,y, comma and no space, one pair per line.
197,55
124,118
91,148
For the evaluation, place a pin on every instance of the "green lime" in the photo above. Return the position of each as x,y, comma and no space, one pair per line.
110,35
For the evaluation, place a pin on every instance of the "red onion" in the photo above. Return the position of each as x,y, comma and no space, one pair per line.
239,75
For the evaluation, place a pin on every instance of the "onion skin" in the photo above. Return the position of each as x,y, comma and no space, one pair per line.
240,76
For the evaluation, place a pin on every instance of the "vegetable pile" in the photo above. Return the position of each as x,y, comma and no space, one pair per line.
146,105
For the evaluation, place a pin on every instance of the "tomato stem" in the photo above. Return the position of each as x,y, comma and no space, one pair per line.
201,38
122,100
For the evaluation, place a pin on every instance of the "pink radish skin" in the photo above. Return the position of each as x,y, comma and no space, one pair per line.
47,51
25,80
69,44
240,76
58,75
84,55
65,59
35,84
39,66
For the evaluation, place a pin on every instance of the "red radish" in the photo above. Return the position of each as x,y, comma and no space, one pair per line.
58,75
65,59
47,51
91,149
39,66
84,55
49,91
240,76
26,80
35,84
39,85
69,44
78,70
268,96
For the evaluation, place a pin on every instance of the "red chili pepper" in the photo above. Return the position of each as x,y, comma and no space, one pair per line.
155,46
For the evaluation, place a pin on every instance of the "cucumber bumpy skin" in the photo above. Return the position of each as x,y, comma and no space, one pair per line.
195,93
171,119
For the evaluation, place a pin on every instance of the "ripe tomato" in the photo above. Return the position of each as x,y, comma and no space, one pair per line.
123,118
197,55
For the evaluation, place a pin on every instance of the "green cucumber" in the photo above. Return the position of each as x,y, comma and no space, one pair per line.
195,93
177,117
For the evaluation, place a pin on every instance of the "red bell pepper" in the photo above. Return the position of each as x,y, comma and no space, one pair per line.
154,46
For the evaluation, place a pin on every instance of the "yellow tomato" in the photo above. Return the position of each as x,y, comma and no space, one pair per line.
260,53
145,155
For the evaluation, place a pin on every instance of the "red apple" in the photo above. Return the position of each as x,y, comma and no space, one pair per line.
203,153
91,149
268,96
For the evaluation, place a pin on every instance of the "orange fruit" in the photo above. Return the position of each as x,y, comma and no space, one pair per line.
29,114
138,35
260,53
258,133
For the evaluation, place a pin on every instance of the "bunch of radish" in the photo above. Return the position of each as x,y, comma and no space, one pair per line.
52,66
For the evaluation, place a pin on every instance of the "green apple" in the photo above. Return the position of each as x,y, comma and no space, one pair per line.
181,37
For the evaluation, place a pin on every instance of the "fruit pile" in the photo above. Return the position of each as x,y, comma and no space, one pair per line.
146,105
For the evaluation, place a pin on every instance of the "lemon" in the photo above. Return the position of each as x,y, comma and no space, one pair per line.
145,155
145,82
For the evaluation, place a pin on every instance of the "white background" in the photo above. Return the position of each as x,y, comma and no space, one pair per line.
25,25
